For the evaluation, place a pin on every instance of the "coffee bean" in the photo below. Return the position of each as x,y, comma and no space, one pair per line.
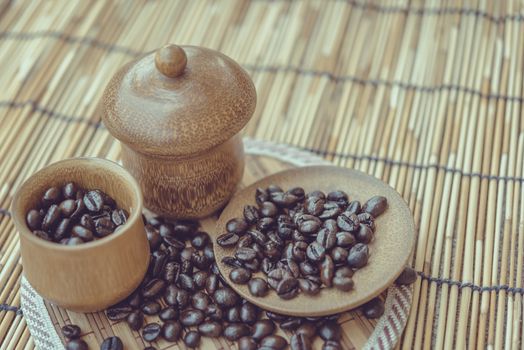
236,331
330,330
74,241
200,279
151,308
262,329
94,201
291,323
308,268
186,267
175,296
375,206
135,320
231,262
67,207
153,288
112,343
275,342
233,314
339,255
348,222
71,331
247,343
299,251
151,332
237,225
225,297
345,239
364,234
210,329
76,344
283,199
331,345
308,287
51,217
69,190
327,270
119,216
168,314
373,308
149,348
297,192
171,330
261,196
344,271
186,282
314,205
309,226
51,196
208,252
62,230
87,221
265,224
315,252
289,295
308,329
300,342
104,226
200,301
251,214
192,339
326,238
248,313
117,313
34,219
214,313
245,254
276,275
227,239
286,285
330,225
153,237
171,271
276,317
258,287
367,219
358,255
82,232
338,196
343,283
240,275
245,241
408,276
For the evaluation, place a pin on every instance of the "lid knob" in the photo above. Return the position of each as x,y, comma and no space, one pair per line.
171,60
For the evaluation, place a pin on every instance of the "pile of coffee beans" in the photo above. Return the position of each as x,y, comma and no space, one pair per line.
71,215
301,242
72,332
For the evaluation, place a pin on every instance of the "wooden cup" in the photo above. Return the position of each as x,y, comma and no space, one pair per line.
91,276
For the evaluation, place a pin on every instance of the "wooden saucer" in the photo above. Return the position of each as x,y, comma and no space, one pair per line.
389,251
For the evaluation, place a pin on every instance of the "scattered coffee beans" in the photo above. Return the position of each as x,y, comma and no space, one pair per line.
71,331
300,241
73,216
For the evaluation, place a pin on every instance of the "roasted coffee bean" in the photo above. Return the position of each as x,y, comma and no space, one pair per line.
67,207
168,314
151,308
62,230
331,345
231,262
149,348
215,313
251,214
186,282
283,199
233,314
208,252
245,241
104,226
258,287
275,238
408,276
210,329
211,284
343,283
119,216
240,275
364,234
151,332
348,222
69,190
82,232
153,237
271,250
358,256
330,225
192,317
171,271
236,331
71,331
257,236
286,285
330,330
297,192
344,271
200,301
291,323
309,226
51,217
373,308
117,313
200,279
375,206
274,188
299,251
276,317
200,239
367,219
227,239
80,209
34,219
261,196
265,224
200,261
249,313
275,276
76,344
135,320
308,287
331,210
262,329
308,268
339,255
159,259
247,343
237,225
267,265
314,205
175,296
166,231
289,295
338,196
327,270
186,267
112,343
51,196
225,297
187,254
326,238
345,239
94,201
315,252
300,342
74,241
275,342
353,207
87,221
308,329
171,330
192,339
285,229
245,254
153,288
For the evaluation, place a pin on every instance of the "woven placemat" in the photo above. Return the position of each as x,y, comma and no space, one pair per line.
384,333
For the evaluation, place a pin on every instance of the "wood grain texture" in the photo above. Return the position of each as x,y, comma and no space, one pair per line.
94,275
390,249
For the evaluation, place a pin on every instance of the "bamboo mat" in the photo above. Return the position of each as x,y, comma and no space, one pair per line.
426,95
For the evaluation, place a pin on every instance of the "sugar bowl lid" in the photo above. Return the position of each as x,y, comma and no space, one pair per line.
178,100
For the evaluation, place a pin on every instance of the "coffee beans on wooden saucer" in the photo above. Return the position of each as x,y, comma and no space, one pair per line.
302,242
72,215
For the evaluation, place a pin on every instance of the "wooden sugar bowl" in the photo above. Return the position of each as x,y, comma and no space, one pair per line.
177,113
